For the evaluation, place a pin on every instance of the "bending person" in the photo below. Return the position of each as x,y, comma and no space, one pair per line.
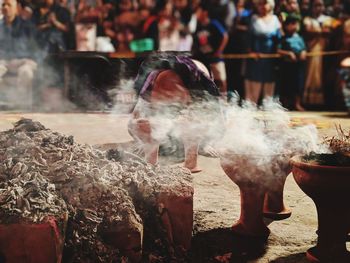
177,97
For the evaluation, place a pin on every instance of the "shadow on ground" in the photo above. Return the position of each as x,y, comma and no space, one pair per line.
222,245
338,116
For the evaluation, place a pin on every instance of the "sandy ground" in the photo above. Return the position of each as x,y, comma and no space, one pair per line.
216,199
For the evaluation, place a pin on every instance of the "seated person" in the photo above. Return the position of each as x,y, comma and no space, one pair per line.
177,96
17,46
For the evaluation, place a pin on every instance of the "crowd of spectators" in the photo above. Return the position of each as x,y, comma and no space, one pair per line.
296,32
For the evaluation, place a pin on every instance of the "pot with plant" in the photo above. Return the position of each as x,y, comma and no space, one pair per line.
326,179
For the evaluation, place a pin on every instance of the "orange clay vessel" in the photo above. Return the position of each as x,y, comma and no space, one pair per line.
256,175
329,188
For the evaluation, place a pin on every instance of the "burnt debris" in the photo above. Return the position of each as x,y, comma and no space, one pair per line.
44,173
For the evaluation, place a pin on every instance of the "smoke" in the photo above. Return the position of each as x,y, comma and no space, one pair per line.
266,131
258,143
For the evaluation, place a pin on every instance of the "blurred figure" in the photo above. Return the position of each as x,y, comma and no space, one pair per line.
17,50
238,44
25,9
304,8
163,27
265,34
53,25
345,83
209,42
291,8
336,9
224,11
292,67
1,15
317,30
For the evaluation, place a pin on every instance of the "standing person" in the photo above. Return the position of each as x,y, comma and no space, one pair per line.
292,68
265,33
317,30
209,42
304,8
53,25
238,42
291,8
17,49
163,27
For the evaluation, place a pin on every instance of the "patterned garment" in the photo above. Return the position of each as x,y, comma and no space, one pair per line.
194,79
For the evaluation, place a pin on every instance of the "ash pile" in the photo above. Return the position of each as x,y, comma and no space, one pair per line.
118,207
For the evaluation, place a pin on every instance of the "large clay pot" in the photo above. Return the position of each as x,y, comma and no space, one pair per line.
255,176
33,242
329,188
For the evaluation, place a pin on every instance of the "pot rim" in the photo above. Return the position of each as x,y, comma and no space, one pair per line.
297,162
226,153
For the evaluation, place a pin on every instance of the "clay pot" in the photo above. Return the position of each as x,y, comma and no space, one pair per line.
255,175
274,207
33,242
329,188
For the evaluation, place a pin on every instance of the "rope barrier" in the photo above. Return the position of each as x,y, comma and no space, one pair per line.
262,55
246,56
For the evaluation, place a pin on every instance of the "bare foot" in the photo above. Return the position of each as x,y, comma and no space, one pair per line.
298,107
195,169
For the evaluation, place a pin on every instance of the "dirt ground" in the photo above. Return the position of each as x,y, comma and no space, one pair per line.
216,199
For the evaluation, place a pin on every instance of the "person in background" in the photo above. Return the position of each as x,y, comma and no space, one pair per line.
292,67
209,42
163,27
264,36
53,26
224,11
291,8
304,8
25,9
17,50
238,42
317,30
120,33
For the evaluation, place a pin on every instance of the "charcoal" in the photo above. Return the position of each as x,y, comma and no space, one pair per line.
105,194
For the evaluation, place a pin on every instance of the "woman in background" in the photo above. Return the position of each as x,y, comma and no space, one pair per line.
264,35
317,29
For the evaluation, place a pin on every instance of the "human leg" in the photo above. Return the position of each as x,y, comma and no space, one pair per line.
252,90
25,77
269,89
219,73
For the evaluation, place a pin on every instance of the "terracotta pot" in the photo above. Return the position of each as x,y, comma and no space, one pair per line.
33,242
255,175
329,188
274,207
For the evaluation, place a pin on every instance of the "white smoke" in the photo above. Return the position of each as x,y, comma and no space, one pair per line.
266,131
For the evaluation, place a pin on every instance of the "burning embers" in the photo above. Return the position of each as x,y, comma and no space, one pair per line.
109,203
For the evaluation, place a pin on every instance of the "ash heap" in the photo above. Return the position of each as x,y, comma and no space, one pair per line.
113,205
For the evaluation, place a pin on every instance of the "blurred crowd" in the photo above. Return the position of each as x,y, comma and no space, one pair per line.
281,47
